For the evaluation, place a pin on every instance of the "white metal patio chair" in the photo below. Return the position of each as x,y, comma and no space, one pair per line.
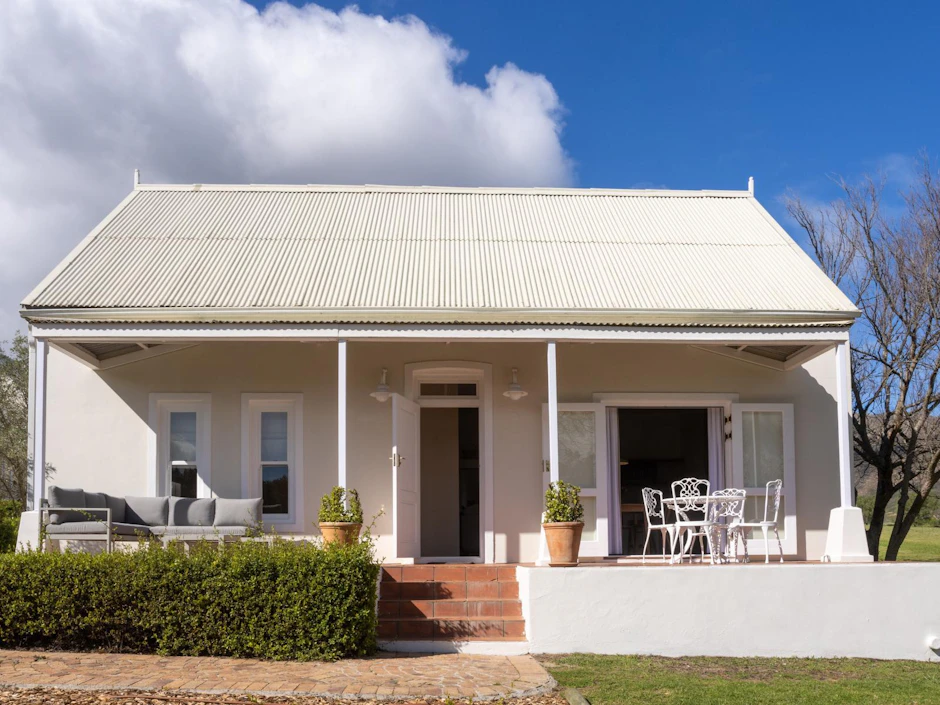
691,497
656,519
727,511
739,529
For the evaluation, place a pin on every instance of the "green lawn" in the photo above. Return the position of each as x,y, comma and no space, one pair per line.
922,544
648,680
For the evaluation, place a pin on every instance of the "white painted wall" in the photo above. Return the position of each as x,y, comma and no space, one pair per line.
819,610
97,421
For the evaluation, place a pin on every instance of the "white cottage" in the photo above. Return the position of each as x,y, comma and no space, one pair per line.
448,352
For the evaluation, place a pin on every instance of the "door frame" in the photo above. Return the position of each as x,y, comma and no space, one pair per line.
677,400
457,371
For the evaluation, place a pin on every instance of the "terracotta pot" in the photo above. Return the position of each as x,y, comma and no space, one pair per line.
342,532
564,542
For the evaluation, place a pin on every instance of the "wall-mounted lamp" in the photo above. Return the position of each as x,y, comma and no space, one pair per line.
515,391
382,392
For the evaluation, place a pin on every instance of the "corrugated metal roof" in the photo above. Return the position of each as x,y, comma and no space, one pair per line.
388,254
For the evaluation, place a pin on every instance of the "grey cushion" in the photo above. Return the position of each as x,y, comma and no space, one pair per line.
148,511
96,527
117,505
64,497
191,512
237,512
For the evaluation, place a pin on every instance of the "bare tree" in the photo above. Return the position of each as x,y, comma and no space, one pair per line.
888,262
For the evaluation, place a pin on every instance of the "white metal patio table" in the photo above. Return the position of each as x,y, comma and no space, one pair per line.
711,500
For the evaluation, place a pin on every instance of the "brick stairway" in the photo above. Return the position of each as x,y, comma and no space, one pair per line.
450,603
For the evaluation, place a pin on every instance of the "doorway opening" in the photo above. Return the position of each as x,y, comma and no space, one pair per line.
657,447
450,482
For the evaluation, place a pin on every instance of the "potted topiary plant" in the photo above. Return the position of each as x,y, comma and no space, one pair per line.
563,523
337,523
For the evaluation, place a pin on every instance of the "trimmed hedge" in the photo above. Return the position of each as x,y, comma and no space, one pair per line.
286,601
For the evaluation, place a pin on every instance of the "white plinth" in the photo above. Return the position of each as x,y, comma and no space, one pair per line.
27,537
846,541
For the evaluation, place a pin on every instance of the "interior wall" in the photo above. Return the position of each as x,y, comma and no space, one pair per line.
440,483
97,421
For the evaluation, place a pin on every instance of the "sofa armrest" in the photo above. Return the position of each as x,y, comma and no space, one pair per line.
44,512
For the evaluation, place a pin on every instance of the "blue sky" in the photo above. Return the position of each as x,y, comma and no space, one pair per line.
702,95
604,94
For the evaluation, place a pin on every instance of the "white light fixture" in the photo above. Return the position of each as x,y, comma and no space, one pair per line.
382,392
515,391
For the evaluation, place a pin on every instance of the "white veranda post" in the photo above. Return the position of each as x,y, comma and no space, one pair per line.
552,412
39,422
844,407
553,469
845,541
341,414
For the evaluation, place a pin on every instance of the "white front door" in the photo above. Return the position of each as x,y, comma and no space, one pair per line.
406,465
582,460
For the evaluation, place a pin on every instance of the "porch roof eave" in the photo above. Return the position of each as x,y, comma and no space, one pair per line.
149,333
103,345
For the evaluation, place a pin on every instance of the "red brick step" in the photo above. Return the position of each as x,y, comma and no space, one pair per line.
450,603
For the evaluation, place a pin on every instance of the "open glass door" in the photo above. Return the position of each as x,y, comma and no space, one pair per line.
763,450
582,456
406,463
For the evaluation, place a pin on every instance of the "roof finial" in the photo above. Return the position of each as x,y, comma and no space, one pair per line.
136,178
750,185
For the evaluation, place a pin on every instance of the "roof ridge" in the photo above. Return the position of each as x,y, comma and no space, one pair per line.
469,190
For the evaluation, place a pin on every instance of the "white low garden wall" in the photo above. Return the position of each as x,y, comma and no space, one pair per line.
885,611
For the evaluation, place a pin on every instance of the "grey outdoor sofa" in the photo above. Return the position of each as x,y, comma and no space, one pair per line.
77,515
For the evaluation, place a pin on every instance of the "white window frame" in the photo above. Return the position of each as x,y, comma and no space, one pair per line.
158,440
252,406
788,491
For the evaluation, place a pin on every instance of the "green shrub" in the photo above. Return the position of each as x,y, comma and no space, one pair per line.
285,601
333,507
9,525
563,503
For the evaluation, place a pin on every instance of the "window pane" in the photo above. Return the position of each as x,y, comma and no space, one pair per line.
436,389
274,489
577,447
273,436
183,482
590,519
763,447
183,436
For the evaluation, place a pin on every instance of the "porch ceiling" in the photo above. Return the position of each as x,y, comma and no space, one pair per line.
102,356
778,357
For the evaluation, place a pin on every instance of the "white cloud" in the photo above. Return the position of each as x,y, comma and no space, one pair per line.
217,92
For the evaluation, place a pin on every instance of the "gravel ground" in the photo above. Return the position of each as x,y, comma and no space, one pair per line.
57,696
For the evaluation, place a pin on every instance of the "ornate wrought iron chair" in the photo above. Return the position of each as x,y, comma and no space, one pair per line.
691,498
727,511
771,508
656,518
